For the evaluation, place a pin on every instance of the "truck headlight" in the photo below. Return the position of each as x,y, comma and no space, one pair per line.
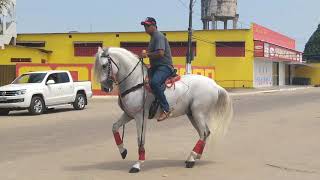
20,92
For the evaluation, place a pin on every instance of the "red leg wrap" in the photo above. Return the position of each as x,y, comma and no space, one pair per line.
199,147
117,138
142,154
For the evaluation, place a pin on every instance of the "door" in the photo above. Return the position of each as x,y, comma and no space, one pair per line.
288,74
67,87
275,73
7,74
53,91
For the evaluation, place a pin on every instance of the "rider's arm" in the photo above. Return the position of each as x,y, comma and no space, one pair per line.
159,47
156,54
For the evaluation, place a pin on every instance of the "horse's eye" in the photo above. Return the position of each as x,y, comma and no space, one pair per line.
104,66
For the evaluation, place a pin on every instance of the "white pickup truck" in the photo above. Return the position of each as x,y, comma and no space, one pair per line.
38,91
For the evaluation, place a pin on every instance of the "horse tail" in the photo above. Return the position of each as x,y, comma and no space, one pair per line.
221,116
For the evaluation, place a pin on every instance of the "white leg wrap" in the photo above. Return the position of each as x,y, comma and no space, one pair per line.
192,157
137,165
121,148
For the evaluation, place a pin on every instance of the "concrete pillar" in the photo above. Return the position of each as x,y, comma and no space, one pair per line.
205,24
235,21
225,22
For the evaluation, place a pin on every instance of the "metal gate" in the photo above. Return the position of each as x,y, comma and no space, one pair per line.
7,74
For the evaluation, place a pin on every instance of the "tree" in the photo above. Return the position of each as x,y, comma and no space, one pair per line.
312,48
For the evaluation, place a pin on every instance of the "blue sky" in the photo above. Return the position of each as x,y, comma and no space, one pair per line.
296,18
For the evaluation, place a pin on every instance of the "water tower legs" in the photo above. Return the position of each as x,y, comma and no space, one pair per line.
235,21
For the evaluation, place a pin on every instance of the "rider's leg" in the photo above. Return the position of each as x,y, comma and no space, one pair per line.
157,84
122,121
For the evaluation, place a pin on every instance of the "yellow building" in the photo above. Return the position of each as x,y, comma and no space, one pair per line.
228,56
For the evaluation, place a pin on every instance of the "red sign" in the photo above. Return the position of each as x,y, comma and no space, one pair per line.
258,49
264,34
273,52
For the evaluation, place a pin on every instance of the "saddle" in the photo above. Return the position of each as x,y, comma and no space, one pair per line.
169,83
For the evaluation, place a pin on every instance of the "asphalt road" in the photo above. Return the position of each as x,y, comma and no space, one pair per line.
272,136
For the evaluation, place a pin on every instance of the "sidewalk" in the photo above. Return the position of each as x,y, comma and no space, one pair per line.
249,91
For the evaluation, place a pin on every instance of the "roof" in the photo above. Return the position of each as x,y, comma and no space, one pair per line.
76,32
39,49
50,71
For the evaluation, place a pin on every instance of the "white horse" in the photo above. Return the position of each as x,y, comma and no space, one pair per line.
198,97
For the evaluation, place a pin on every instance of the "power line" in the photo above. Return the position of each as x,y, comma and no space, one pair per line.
187,7
247,50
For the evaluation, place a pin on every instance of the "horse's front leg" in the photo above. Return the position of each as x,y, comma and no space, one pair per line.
141,131
124,119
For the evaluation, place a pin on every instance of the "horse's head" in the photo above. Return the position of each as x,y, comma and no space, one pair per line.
105,69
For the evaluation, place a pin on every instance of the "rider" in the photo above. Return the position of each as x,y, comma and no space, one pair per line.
161,67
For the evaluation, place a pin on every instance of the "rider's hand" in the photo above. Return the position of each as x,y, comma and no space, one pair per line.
144,54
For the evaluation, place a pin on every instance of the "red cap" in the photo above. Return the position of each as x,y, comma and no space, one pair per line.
149,21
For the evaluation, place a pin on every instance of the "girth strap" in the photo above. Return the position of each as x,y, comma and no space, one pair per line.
134,88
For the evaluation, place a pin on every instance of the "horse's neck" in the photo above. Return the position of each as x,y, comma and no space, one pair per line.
135,78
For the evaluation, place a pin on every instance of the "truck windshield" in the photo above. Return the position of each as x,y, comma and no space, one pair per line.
30,78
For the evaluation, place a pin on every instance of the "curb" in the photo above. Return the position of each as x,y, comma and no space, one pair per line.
270,91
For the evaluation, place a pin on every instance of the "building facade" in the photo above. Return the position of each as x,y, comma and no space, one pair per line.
237,58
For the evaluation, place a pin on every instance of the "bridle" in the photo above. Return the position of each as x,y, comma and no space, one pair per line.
111,79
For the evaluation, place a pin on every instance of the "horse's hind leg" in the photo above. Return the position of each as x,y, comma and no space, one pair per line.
122,121
198,122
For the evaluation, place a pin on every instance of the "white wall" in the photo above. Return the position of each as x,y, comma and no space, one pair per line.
262,73
282,74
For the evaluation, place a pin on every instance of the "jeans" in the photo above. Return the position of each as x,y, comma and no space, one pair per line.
159,75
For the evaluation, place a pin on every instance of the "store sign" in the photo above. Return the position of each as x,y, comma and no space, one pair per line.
279,53
274,52
258,49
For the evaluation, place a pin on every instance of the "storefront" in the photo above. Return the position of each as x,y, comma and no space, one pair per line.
274,58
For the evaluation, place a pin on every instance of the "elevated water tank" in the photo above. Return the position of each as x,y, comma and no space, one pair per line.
219,10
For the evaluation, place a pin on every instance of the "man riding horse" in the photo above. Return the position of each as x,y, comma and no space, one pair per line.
161,68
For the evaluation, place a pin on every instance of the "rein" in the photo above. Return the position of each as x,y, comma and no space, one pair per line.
132,89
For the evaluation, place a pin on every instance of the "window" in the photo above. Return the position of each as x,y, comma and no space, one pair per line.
230,49
37,44
30,78
86,49
21,60
134,47
178,49
63,78
53,77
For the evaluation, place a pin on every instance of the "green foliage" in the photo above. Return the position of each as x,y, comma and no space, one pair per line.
312,48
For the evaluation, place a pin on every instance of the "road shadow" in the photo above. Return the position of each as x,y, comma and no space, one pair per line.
50,111
124,166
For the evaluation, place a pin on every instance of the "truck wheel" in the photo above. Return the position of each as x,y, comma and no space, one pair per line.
37,106
80,102
4,112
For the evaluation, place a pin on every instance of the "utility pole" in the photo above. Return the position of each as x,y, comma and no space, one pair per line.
190,49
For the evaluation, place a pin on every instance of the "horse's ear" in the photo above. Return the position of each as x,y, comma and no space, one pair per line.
100,50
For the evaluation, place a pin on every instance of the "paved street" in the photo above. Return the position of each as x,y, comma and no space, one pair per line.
272,136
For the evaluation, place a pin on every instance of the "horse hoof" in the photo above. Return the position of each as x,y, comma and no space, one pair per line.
189,164
124,154
134,170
